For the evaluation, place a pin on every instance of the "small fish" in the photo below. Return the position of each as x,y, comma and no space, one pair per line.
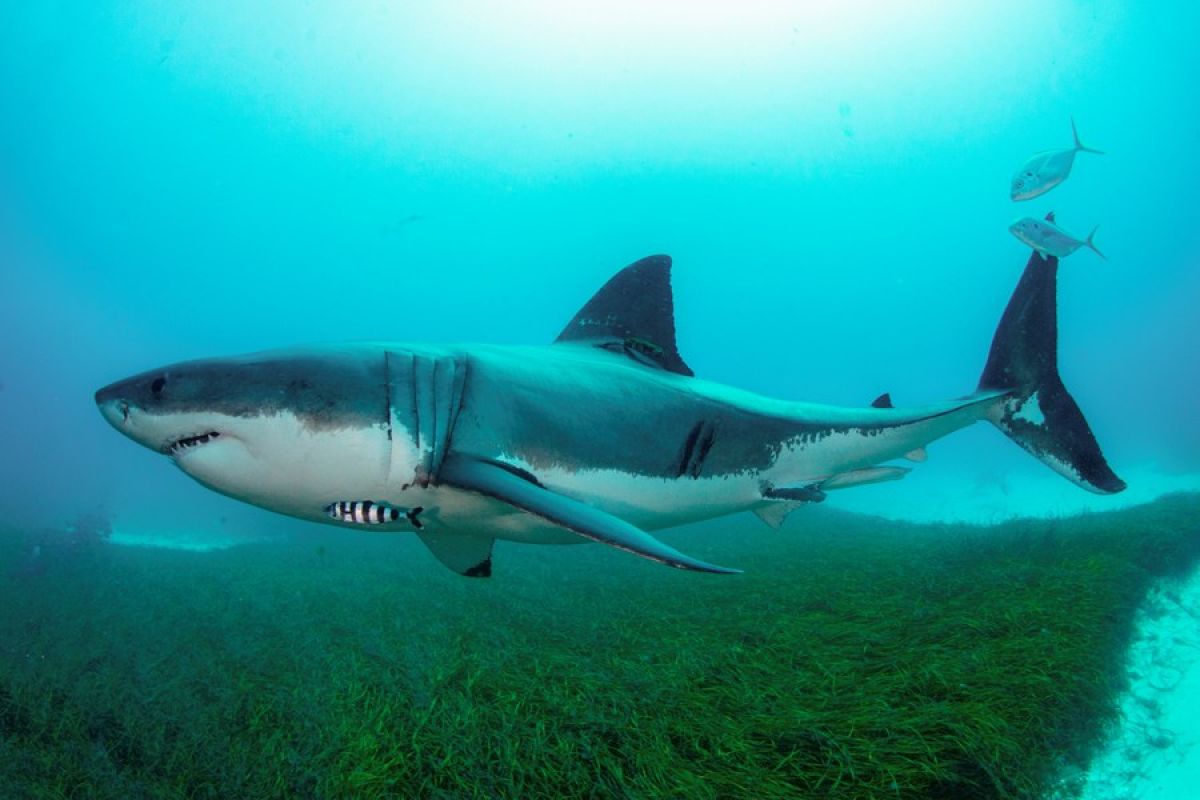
1049,239
1043,171
368,512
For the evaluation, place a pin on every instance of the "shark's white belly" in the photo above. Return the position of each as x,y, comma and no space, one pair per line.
300,471
649,503
289,467
652,502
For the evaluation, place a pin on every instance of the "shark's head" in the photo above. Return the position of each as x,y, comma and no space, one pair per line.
291,431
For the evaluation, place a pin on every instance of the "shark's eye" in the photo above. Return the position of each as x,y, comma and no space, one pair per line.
158,384
1028,174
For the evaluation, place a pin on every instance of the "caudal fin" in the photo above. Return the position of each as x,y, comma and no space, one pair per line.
1036,411
1092,244
1080,146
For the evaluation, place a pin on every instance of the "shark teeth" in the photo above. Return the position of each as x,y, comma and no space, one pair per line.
189,442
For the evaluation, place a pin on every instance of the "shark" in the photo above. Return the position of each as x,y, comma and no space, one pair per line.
605,435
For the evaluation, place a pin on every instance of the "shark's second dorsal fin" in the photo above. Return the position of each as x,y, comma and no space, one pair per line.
633,312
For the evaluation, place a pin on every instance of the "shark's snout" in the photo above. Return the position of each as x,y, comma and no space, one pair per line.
123,398
124,404
113,405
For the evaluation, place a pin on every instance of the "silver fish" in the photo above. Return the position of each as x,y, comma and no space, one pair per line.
1043,171
1049,239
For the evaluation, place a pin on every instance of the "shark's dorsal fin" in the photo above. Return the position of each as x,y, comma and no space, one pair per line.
1050,217
883,401
633,312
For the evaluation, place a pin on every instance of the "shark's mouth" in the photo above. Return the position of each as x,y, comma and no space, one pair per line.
188,443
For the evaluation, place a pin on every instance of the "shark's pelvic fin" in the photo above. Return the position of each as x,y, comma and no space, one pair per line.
466,555
521,491
635,313
1036,411
775,513
785,500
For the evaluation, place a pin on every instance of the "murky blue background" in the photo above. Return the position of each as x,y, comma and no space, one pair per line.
831,178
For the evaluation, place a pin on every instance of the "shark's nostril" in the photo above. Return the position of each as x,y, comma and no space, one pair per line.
125,412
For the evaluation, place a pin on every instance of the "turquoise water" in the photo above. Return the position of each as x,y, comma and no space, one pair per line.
830,178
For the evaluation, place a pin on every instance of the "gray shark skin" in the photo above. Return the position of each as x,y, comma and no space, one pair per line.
602,436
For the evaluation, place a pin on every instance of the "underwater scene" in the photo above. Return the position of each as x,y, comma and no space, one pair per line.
607,400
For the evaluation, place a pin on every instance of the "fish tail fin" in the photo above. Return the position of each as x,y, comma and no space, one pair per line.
1092,244
1080,146
1033,408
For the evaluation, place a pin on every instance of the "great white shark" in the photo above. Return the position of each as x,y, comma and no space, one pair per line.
601,436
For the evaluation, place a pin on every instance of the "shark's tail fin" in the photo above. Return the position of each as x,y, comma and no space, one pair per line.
1080,146
1036,410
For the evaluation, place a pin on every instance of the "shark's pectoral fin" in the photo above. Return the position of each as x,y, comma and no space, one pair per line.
466,555
522,491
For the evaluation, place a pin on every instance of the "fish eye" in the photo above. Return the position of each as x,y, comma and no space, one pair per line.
158,384
1028,174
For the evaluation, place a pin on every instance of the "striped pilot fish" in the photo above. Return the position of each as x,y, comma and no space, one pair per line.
368,512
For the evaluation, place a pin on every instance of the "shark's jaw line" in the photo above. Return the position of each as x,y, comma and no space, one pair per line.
185,444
